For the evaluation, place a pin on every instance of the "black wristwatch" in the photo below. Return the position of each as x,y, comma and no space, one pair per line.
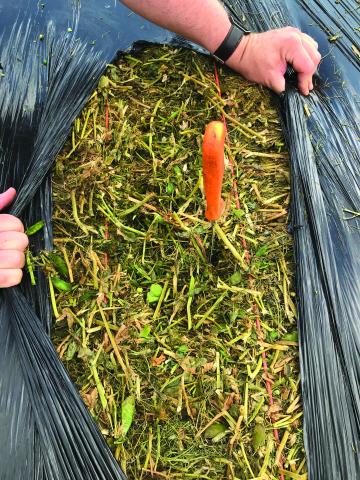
231,41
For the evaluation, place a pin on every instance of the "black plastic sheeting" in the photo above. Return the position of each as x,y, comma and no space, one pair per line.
323,136
45,429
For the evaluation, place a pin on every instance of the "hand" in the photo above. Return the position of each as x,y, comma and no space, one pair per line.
13,243
263,58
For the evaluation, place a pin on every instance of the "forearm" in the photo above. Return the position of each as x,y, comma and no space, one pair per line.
204,22
261,58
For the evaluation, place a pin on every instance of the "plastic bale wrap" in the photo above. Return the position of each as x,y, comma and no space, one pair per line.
51,58
322,133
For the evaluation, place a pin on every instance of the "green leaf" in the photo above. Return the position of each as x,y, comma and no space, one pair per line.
238,212
262,251
159,219
291,337
87,296
145,332
173,115
274,335
70,351
61,285
154,293
104,83
236,278
182,350
170,187
237,314
177,171
85,353
35,228
127,414
214,430
259,436
59,265
192,287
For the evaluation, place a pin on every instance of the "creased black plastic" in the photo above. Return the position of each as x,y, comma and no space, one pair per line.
51,57
323,136
45,430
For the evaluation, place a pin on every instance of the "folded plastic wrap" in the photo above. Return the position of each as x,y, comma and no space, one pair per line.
323,137
51,57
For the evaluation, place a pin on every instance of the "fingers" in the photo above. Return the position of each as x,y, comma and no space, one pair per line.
277,82
304,57
315,57
9,223
313,53
263,58
304,36
10,278
13,241
307,38
11,259
7,198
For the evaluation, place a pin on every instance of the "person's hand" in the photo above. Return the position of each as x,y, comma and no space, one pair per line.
13,243
263,58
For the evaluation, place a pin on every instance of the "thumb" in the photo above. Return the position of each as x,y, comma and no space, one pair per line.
277,82
7,197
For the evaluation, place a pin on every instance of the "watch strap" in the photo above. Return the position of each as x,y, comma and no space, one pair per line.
230,42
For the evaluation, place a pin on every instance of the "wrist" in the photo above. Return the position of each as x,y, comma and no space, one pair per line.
231,42
236,59
219,28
